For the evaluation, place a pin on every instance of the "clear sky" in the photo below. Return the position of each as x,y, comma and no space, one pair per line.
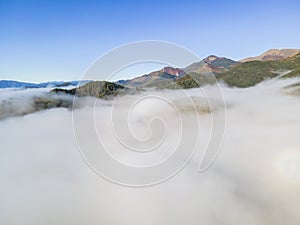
57,40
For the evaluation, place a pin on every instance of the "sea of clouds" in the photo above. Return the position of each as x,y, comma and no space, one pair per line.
255,179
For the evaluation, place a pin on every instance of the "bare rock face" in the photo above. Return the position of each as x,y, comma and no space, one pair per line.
169,70
211,59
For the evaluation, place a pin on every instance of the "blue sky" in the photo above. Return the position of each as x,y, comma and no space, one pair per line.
58,40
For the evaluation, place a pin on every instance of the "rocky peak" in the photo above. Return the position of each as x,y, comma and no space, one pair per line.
169,70
211,59
173,71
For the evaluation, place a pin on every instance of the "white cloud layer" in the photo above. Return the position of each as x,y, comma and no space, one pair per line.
255,179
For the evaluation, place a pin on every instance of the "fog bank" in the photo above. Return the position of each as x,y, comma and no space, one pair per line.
255,179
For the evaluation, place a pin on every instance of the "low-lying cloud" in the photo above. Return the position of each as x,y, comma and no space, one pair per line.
19,102
255,179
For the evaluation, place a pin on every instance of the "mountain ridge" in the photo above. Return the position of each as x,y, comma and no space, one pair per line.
234,73
273,54
209,65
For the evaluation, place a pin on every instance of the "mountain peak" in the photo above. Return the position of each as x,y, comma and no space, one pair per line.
211,64
172,71
168,70
211,58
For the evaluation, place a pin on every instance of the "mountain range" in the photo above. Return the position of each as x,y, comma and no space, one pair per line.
209,65
274,54
244,73
208,71
223,68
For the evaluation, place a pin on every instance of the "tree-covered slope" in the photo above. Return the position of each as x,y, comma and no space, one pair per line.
99,89
250,73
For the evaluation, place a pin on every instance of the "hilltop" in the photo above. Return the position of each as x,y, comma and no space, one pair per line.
211,64
98,89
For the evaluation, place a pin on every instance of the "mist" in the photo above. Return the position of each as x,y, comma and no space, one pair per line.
254,180
19,102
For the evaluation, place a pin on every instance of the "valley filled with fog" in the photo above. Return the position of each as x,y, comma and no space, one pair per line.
254,180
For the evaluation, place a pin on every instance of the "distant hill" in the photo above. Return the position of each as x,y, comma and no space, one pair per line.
274,54
99,89
14,84
18,84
